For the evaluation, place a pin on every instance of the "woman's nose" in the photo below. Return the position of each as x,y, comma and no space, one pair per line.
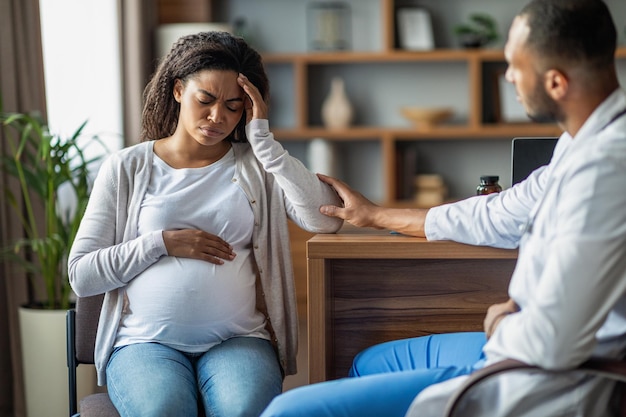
216,113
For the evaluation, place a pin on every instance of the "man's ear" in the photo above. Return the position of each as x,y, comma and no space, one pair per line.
556,84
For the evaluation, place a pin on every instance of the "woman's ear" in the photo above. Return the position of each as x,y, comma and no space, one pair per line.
556,84
178,90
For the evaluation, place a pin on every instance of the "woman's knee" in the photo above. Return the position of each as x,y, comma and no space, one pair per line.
240,377
150,379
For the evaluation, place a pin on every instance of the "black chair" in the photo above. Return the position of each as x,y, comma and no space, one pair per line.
82,325
607,368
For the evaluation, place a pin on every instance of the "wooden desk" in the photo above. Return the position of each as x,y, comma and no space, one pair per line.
365,289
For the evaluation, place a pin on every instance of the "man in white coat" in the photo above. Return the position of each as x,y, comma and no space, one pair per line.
568,291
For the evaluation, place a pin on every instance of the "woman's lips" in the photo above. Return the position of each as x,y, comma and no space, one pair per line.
211,132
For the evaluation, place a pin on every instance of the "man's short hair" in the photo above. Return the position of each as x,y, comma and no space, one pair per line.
572,31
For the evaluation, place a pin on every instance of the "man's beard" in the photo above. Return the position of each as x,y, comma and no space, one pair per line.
544,109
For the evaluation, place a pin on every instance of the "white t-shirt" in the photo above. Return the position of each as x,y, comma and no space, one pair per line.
189,304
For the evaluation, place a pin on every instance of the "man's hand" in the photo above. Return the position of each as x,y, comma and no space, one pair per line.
361,212
197,244
357,210
495,313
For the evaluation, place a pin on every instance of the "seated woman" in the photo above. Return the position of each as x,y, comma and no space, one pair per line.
186,233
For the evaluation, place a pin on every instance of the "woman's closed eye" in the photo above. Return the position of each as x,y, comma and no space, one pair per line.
234,105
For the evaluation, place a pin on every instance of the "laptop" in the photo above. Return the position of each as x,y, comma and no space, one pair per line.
528,154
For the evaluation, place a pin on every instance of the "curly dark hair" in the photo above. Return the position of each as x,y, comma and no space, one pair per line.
189,55
580,31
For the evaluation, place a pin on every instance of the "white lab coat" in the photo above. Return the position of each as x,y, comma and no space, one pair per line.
569,219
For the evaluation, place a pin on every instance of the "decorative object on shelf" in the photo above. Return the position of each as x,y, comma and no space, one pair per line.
426,117
337,111
481,30
169,33
241,28
322,157
328,25
415,29
430,190
507,108
406,165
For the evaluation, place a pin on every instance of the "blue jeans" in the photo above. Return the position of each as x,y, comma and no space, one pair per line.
385,378
238,377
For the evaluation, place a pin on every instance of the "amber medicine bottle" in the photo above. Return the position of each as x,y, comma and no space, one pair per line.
488,184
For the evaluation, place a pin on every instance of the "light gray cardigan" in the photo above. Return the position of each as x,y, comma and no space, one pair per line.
108,253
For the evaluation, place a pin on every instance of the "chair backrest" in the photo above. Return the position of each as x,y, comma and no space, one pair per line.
469,391
86,324
82,326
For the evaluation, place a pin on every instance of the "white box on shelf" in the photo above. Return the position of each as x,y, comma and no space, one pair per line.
415,29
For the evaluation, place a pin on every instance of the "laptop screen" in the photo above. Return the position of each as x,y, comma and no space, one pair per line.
529,154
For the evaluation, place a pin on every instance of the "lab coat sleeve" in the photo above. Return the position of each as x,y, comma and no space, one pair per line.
496,220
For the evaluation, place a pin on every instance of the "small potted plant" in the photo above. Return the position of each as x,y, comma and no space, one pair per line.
481,30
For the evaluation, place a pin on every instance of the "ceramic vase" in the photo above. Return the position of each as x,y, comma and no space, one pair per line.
336,109
322,157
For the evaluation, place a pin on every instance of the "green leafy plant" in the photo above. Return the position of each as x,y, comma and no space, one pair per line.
481,30
43,164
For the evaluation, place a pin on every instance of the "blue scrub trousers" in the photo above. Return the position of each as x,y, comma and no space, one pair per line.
385,378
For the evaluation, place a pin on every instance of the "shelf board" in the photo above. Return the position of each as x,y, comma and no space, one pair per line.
492,131
435,55
353,133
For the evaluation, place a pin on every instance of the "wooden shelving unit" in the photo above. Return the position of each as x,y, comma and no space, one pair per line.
476,127
301,123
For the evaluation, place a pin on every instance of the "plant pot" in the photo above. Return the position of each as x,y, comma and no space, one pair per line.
44,363
471,41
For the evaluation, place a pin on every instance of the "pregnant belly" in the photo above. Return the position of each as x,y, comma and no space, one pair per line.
192,302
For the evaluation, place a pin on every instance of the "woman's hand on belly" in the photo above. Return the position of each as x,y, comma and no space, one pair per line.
197,244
